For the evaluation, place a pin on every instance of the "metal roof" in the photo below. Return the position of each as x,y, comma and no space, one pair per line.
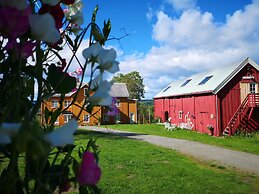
212,81
119,90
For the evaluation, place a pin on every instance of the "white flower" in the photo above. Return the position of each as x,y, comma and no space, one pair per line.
78,18
18,4
74,13
7,130
101,96
105,57
63,135
43,28
92,51
51,2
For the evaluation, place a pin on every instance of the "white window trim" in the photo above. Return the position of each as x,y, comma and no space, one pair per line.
67,103
86,120
180,114
54,103
118,103
85,91
118,117
252,87
67,117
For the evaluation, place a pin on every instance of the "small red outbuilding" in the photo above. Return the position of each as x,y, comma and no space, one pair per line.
226,99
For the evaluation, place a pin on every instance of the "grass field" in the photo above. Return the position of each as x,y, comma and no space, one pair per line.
240,143
131,166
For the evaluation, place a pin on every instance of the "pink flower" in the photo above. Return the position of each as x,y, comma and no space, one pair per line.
89,172
13,22
24,50
79,72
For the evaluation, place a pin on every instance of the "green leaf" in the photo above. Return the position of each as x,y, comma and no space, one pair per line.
97,34
95,13
106,29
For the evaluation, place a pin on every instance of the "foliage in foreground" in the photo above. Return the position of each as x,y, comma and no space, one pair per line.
240,143
131,166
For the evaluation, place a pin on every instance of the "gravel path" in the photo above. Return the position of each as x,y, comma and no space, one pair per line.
239,160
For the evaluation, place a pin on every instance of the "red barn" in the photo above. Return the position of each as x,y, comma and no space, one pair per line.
226,99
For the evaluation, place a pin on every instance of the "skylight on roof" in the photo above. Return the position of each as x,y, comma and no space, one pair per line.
186,82
205,80
167,88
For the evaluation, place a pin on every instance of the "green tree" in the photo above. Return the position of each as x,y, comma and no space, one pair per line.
134,83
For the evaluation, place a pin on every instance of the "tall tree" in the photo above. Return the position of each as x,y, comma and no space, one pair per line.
134,83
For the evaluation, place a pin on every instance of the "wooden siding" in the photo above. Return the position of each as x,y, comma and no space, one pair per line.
197,111
126,108
230,96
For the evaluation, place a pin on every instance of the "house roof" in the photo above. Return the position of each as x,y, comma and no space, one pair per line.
119,90
212,81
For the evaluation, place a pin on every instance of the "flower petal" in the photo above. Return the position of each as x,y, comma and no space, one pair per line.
62,136
43,28
92,51
89,172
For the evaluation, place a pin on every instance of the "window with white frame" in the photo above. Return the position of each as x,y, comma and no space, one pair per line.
67,103
106,117
180,114
117,104
118,118
252,88
85,91
54,103
67,117
87,118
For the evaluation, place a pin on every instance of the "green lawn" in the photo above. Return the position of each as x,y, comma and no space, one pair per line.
240,143
131,166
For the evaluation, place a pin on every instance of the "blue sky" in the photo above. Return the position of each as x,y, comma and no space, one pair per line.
173,39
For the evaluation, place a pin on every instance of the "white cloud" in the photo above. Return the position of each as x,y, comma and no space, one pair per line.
182,4
194,42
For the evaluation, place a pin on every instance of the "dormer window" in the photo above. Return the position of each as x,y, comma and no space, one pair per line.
186,82
167,88
205,80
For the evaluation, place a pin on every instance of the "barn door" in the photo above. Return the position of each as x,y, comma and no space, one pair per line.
244,90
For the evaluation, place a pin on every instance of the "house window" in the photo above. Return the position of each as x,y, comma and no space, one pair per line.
106,117
117,104
252,88
67,103
85,91
87,118
67,117
54,103
186,82
205,80
180,114
118,118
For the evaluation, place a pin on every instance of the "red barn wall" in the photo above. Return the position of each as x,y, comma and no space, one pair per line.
198,111
158,108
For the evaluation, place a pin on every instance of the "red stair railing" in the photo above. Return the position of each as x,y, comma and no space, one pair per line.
251,100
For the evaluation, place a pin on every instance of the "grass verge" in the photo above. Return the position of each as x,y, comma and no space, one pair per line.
239,143
131,166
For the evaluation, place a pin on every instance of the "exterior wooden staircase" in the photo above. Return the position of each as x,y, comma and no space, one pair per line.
243,114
